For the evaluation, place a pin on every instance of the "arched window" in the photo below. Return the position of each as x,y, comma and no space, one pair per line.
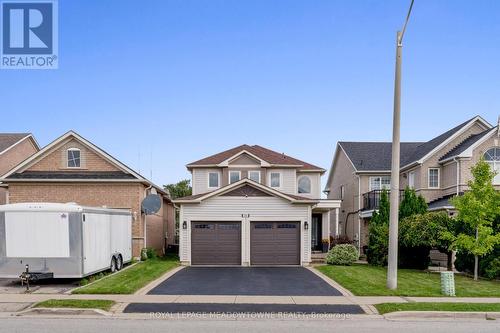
74,158
492,157
304,185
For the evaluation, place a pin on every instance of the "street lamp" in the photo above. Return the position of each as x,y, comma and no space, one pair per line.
392,267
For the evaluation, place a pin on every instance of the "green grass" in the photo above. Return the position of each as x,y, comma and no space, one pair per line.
77,303
132,279
366,280
458,307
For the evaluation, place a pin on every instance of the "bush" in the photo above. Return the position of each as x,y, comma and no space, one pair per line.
343,254
144,254
414,257
151,253
489,265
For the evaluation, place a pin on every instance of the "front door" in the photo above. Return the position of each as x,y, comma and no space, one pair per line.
316,232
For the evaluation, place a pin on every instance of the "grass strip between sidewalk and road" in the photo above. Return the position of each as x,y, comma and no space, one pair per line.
366,280
77,303
454,307
132,279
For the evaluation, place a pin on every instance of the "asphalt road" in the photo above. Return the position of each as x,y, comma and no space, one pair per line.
354,325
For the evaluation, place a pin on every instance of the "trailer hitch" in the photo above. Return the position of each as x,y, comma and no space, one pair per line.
27,277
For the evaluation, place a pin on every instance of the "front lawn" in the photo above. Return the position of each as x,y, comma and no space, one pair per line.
77,303
458,307
132,279
366,280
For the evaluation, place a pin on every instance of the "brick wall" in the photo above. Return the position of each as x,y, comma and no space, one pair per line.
57,160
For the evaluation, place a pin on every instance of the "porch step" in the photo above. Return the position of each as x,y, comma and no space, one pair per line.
318,257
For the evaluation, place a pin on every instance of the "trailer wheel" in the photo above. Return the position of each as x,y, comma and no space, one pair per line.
119,262
112,267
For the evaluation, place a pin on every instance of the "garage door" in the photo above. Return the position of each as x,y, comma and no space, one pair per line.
216,243
275,243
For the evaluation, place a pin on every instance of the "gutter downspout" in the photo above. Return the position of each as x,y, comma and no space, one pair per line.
359,209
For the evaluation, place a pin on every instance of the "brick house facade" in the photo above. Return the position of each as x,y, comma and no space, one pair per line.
72,169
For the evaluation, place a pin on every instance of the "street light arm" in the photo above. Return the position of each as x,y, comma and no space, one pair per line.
400,41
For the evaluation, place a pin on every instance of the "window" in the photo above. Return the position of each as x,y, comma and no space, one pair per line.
492,157
275,179
380,183
304,185
234,176
342,192
74,158
411,179
254,175
433,179
213,179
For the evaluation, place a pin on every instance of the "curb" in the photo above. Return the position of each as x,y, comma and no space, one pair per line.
63,312
453,315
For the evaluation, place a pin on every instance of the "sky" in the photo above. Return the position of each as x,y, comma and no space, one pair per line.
159,84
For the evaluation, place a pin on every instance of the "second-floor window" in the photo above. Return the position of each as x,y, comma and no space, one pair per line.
492,157
380,183
74,155
275,179
304,185
213,179
254,175
234,176
411,179
433,178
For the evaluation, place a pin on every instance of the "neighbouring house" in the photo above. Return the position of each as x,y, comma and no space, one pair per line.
73,169
437,169
14,148
253,206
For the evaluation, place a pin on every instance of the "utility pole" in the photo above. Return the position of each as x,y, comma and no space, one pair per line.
392,267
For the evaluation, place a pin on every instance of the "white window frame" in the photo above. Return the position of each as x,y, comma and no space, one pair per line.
411,179
280,179
429,178
218,179
310,185
380,183
229,176
257,171
67,158
494,166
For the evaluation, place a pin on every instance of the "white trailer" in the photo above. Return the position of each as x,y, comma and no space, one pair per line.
63,240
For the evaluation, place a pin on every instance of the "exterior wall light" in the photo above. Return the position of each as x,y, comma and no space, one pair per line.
306,225
184,225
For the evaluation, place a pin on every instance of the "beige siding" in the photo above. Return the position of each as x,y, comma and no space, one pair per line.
315,185
288,180
232,208
200,180
244,159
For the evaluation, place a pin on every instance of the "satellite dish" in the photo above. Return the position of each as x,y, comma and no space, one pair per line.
151,204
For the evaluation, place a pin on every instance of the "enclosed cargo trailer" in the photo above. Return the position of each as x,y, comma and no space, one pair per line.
63,240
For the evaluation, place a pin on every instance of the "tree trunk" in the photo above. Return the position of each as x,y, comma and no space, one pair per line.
449,261
476,267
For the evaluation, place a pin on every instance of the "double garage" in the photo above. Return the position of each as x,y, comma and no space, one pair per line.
271,243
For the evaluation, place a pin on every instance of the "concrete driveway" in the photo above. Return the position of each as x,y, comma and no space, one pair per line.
254,281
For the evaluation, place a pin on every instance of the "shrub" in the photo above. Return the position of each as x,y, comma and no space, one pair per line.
144,254
151,253
343,254
340,239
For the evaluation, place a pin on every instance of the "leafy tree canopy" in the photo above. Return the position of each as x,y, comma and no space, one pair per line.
180,189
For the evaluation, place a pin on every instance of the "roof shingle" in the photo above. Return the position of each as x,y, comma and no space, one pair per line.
8,139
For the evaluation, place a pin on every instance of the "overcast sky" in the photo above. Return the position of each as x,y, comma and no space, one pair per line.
180,80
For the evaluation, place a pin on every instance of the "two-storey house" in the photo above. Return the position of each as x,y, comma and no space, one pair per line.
253,206
437,169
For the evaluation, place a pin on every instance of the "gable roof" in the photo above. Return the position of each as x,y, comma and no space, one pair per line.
19,173
376,156
8,140
198,198
466,144
269,156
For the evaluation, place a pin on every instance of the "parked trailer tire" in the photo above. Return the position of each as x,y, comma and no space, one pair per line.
112,267
119,262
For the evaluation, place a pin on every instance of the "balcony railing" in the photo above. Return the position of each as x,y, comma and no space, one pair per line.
371,200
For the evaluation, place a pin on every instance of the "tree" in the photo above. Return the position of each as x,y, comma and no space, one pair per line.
429,230
179,190
378,239
411,204
477,209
